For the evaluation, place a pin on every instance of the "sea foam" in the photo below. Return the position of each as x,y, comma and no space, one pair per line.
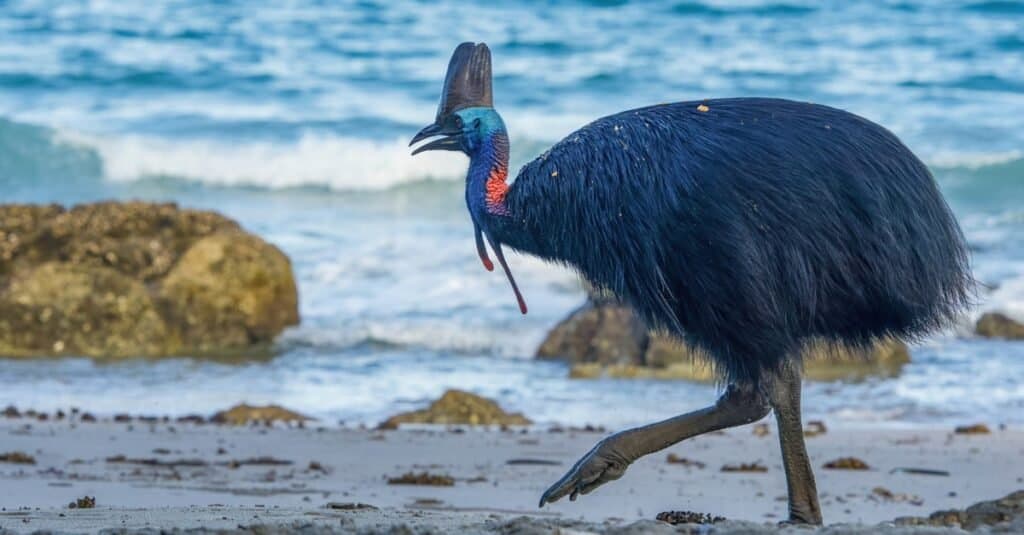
315,159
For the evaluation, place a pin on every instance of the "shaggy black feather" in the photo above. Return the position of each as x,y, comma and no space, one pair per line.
748,226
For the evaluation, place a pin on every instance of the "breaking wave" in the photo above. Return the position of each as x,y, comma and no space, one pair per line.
336,162
315,159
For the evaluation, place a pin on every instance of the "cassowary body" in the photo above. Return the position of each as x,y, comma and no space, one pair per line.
747,226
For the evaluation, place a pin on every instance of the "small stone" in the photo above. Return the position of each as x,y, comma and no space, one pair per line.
974,429
85,502
847,463
422,478
17,457
815,428
688,517
351,506
754,467
675,459
243,414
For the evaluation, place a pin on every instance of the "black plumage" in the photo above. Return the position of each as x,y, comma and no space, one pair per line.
748,226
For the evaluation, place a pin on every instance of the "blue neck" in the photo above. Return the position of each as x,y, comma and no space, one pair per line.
485,181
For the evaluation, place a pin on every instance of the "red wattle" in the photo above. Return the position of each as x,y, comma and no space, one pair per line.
496,186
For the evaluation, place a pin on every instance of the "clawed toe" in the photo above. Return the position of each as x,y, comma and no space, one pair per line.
593,470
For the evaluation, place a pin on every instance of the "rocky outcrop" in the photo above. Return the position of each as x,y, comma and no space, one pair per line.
996,325
458,407
605,339
136,279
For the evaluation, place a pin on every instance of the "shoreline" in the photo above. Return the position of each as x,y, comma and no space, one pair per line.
177,474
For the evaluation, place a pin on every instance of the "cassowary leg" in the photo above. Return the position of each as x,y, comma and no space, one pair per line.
608,460
784,395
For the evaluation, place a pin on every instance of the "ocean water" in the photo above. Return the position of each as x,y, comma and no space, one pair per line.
293,117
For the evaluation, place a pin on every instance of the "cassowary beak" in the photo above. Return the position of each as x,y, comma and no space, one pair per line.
451,140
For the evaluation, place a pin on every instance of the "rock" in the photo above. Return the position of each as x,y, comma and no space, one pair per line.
754,467
85,502
458,407
66,309
815,428
244,414
973,429
688,517
19,224
136,279
605,334
1006,512
231,290
17,457
996,325
847,463
139,239
351,506
423,478
990,513
603,339
831,362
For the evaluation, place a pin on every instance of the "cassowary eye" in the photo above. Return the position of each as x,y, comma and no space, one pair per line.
458,122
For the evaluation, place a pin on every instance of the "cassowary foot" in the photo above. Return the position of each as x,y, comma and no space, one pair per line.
602,464
608,460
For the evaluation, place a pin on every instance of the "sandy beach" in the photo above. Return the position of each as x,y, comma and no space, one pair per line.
160,475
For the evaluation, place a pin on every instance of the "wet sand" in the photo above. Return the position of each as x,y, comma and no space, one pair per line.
180,475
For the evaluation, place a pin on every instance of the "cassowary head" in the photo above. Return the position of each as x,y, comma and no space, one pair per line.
465,117
467,122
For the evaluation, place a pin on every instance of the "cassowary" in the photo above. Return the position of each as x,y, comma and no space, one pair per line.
749,227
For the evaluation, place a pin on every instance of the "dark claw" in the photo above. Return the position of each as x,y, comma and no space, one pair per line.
596,468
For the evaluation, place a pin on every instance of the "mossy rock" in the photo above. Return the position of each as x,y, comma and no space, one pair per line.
62,309
608,340
996,325
231,290
458,407
606,334
115,279
139,239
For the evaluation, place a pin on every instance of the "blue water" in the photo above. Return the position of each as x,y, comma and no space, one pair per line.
293,118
